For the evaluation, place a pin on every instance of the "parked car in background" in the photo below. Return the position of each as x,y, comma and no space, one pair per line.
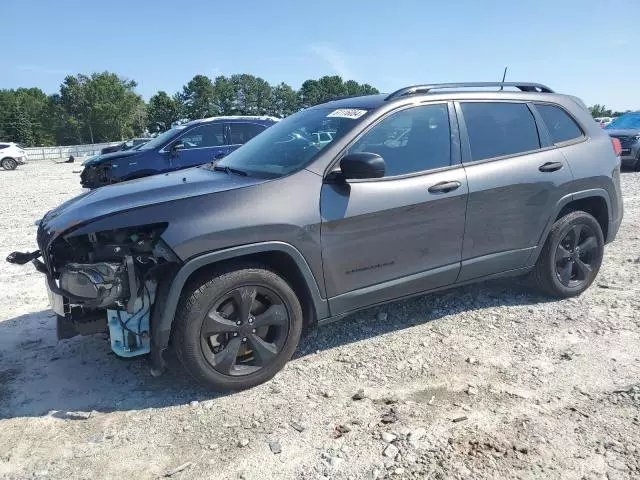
603,121
183,146
227,264
626,128
128,145
12,155
320,138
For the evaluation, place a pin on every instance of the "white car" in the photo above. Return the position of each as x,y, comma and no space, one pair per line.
11,155
322,138
603,121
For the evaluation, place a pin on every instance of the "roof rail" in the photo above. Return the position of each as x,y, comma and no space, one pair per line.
523,86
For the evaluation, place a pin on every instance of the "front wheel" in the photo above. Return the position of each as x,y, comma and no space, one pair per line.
571,256
237,327
9,164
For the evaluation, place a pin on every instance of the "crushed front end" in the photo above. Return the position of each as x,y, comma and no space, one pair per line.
104,281
94,176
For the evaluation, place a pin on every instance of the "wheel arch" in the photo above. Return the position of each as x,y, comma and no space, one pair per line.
594,201
281,257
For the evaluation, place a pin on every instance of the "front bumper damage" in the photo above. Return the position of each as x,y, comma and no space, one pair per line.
95,176
106,282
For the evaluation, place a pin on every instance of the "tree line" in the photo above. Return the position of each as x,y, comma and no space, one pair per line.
104,107
599,111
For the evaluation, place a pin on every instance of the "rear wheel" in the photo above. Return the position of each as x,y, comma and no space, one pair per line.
571,257
237,327
9,164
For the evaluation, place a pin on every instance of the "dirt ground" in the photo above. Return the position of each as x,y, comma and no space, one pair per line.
485,381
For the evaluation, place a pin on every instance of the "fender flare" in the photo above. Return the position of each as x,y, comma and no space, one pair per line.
165,308
563,202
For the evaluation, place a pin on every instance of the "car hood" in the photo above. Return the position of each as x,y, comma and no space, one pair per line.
121,197
622,132
98,159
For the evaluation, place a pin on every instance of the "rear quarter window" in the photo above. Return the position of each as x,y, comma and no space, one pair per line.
3,146
241,133
560,125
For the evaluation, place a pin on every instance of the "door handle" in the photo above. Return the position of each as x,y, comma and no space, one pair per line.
550,166
444,187
220,155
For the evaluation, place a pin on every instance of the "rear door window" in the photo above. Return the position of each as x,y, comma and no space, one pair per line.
496,129
240,133
560,125
202,136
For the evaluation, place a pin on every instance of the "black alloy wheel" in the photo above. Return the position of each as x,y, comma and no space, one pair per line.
237,325
576,256
571,256
245,330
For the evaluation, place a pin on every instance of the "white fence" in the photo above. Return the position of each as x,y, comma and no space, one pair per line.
57,154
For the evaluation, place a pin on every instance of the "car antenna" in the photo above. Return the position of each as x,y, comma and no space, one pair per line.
504,75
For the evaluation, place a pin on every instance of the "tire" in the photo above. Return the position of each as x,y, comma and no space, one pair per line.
558,257
9,164
636,166
215,302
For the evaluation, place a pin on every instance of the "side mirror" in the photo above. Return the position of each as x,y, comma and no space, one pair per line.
362,165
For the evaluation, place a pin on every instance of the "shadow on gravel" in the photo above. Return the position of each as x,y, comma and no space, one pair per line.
418,311
39,375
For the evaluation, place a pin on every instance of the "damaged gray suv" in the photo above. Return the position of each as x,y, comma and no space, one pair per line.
430,187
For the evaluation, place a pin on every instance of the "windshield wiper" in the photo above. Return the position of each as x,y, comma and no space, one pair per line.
229,170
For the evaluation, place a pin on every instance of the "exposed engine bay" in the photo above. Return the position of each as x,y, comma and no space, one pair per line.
107,281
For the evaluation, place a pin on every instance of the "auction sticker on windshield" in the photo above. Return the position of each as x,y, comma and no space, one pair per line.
352,113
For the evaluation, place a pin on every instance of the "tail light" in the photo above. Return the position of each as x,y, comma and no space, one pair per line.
617,146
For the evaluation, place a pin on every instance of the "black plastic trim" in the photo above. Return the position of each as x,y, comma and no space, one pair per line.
478,267
161,334
509,273
593,192
393,289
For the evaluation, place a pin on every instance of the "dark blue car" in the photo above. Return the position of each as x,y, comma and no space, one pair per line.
184,146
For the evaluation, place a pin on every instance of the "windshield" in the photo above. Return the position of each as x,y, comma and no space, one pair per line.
292,143
628,120
161,139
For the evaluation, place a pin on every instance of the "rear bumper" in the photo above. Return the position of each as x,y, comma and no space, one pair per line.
630,156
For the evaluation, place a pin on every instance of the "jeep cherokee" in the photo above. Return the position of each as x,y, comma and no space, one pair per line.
430,187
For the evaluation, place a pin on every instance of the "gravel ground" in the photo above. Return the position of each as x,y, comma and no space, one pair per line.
485,381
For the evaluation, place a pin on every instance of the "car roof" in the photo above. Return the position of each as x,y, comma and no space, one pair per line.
365,101
522,91
236,118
